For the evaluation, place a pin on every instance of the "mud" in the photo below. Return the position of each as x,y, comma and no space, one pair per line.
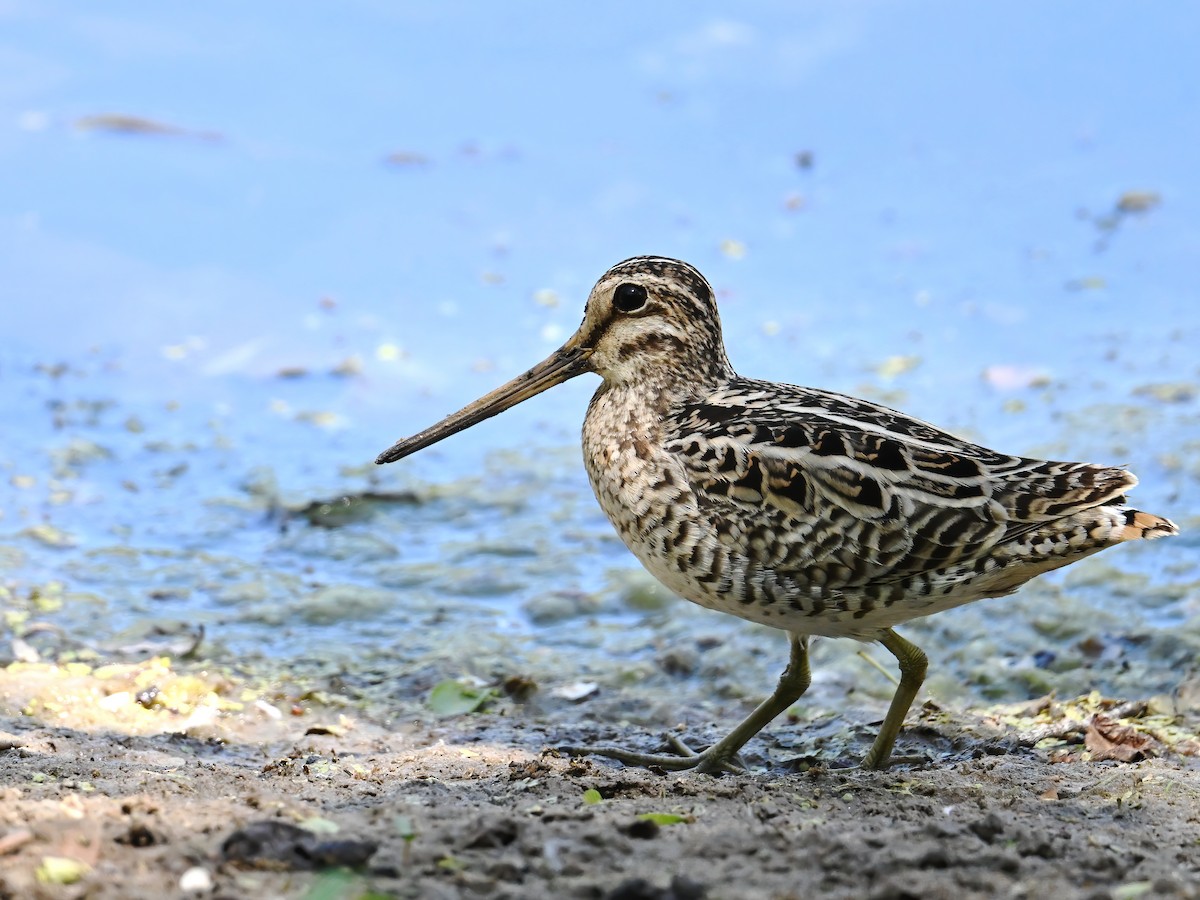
152,795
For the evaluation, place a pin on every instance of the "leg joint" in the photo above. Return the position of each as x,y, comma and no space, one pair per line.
914,664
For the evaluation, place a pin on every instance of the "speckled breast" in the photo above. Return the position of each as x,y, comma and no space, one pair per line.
645,493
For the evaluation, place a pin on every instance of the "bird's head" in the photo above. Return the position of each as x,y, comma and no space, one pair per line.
649,319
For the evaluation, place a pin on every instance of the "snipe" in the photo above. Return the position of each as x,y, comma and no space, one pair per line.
810,511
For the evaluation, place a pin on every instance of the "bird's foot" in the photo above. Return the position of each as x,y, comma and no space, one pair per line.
714,760
869,766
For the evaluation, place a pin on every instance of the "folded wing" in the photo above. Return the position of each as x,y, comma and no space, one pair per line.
817,480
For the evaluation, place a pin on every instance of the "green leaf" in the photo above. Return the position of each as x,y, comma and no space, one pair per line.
318,825
1132,890
405,827
453,698
664,818
592,796
61,870
332,885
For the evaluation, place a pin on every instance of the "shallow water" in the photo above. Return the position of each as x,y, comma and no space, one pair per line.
988,220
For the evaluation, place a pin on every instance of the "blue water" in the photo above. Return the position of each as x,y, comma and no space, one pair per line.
859,181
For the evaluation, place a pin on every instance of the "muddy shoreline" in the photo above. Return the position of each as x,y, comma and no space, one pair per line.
483,804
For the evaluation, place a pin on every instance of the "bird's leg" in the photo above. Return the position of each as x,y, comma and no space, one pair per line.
720,756
913,663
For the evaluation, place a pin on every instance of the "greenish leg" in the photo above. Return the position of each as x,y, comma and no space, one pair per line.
913,663
720,756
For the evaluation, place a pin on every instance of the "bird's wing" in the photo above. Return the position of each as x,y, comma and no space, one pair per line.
802,478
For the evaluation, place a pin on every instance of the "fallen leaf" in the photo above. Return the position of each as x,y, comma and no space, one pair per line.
663,818
319,825
1105,739
61,870
453,698
1132,890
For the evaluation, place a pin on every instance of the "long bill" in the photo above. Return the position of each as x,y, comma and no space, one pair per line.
564,364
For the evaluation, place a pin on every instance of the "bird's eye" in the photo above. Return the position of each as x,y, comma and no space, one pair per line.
629,297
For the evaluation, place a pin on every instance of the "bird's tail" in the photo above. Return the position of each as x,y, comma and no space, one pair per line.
1143,526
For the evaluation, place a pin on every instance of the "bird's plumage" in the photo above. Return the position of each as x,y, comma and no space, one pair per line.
818,512
811,511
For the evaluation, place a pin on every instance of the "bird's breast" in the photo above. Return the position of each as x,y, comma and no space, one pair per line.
639,485
644,490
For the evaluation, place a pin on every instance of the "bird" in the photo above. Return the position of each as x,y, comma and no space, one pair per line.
814,512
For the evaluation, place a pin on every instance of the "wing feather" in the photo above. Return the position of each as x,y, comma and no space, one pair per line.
806,479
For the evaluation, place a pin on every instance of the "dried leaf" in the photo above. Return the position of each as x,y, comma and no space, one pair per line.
1105,739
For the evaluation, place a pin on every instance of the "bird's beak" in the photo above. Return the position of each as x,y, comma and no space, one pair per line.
565,363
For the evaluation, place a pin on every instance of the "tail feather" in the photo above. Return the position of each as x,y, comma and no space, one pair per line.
1144,526
1044,491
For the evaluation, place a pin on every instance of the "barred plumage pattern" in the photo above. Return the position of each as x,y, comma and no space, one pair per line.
810,511
816,512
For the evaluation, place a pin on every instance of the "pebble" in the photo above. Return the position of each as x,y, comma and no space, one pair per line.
196,880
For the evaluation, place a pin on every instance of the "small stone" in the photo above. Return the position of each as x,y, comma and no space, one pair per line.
679,661
196,880
988,828
492,834
559,606
684,888
576,691
642,829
